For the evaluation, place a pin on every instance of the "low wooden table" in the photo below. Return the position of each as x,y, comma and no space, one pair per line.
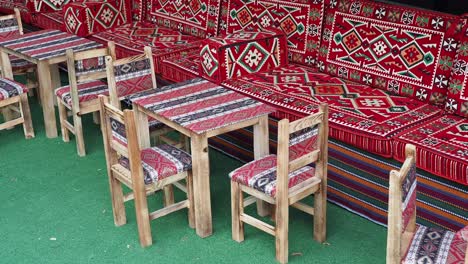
46,48
200,110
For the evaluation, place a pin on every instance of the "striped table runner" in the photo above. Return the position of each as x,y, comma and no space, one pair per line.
199,105
46,44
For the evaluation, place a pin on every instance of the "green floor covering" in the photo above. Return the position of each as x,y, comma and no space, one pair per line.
55,208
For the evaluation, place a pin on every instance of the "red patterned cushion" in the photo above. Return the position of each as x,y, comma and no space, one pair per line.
403,50
359,115
9,28
86,18
20,64
261,175
7,6
457,101
197,18
43,6
87,91
441,147
51,20
9,88
130,39
433,245
133,77
238,54
181,68
300,20
161,162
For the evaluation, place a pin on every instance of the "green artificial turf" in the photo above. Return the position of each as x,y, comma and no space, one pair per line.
55,208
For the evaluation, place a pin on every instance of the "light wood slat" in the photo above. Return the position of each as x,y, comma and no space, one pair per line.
257,194
69,126
258,224
169,209
249,201
88,54
9,101
230,128
180,186
130,196
11,123
119,148
92,76
130,59
303,207
304,192
305,122
304,160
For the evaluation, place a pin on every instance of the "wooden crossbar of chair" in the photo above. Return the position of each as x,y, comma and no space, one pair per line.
286,196
133,177
78,108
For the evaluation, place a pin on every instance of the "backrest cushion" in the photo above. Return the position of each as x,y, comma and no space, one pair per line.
9,28
300,20
133,77
90,65
302,142
405,51
198,18
457,94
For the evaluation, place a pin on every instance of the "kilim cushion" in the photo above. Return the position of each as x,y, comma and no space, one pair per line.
43,6
402,50
197,18
7,6
300,20
457,101
86,91
50,20
261,175
181,68
433,245
359,115
90,65
9,28
130,39
238,54
20,64
133,77
9,88
161,162
86,18
441,147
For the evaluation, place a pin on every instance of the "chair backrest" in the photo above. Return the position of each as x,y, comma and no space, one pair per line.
10,25
86,66
401,206
120,137
301,143
130,75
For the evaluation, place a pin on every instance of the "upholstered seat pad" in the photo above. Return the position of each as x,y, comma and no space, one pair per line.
261,175
441,146
9,88
130,39
359,115
19,64
161,162
437,246
86,91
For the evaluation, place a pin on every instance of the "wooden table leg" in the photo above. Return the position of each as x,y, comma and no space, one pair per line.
141,120
55,79
47,96
261,149
201,185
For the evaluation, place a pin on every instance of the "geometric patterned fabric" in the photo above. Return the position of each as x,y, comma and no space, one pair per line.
261,175
359,115
43,6
161,162
7,6
133,77
441,147
404,51
87,91
130,39
50,20
9,89
91,65
9,28
301,22
408,206
238,54
198,18
84,19
457,101
181,68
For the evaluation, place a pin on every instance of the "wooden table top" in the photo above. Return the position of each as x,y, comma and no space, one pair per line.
47,44
199,105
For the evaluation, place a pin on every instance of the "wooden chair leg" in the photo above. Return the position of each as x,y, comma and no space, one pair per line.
80,145
118,204
142,215
63,115
237,208
191,209
26,113
281,237
8,115
320,214
168,191
96,118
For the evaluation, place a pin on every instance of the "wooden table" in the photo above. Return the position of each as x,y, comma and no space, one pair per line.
200,110
46,48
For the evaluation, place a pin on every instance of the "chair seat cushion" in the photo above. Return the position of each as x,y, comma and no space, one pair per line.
9,88
86,91
161,162
261,175
154,124
20,64
441,147
437,246
359,115
130,39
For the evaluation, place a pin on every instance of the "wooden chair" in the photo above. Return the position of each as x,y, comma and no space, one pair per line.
408,242
11,95
285,179
143,171
86,74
